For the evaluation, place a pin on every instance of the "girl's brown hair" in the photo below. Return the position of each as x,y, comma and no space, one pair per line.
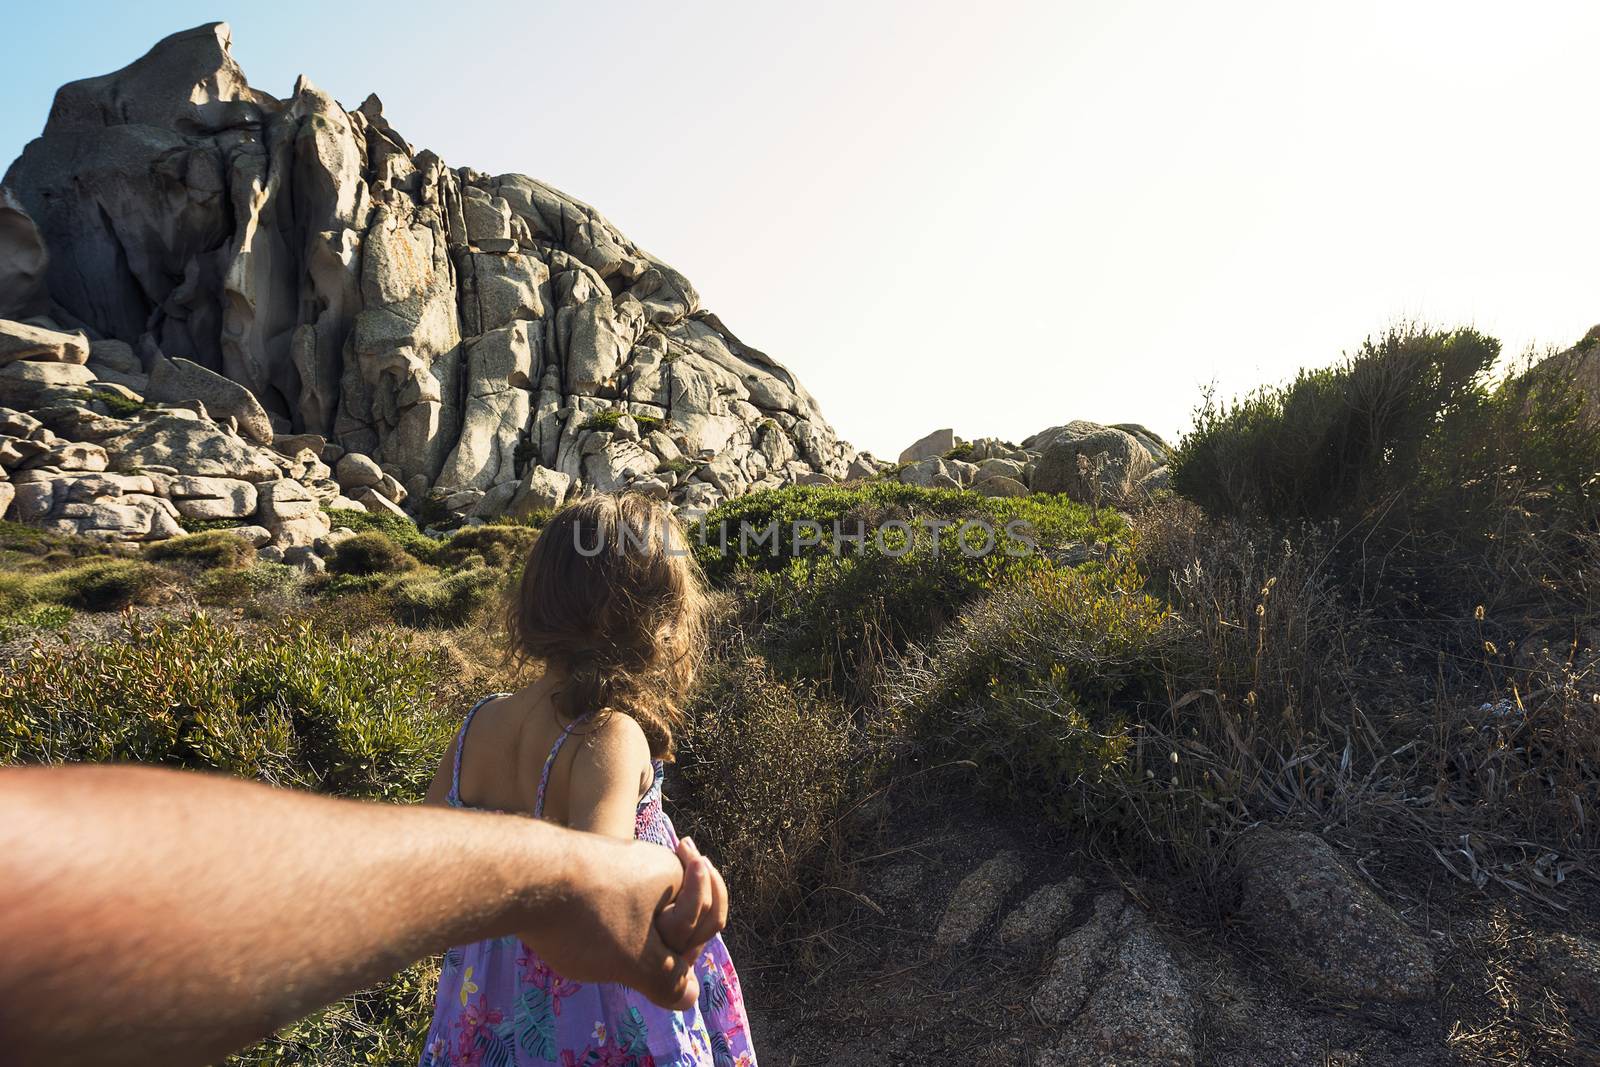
611,602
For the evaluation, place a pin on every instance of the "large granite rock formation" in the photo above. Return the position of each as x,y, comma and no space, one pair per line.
313,280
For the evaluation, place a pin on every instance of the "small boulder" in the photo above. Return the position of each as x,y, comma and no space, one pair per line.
355,470
27,383
19,340
370,499
542,489
930,473
1000,486
932,446
1325,925
1037,921
1087,461
977,899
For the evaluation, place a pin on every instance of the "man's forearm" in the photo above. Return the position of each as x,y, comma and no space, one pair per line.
161,890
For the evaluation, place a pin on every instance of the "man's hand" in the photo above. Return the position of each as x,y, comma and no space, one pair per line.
619,889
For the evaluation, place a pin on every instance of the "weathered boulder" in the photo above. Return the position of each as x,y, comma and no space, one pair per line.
290,511
1326,926
935,444
23,261
541,489
176,380
931,473
198,497
1087,461
1000,485
28,383
1038,920
20,340
1117,993
355,470
192,445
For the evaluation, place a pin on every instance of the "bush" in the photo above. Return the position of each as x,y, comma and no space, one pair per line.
32,619
1039,684
204,551
443,600
836,609
230,585
1450,491
495,544
370,553
401,531
98,585
764,768
299,709
32,541
1334,442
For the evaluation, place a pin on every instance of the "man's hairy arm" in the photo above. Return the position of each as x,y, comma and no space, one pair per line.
167,917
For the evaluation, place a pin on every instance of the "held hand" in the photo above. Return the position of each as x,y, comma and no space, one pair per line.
701,909
604,928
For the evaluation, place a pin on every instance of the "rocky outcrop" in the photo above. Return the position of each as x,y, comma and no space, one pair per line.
1113,465
291,269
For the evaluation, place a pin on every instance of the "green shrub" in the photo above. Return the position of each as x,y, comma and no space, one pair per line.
834,609
1039,684
1453,491
102,585
240,583
443,600
370,553
118,405
680,466
32,541
302,709
32,619
496,544
204,551
603,420
768,822
401,531
1334,442
207,525
963,451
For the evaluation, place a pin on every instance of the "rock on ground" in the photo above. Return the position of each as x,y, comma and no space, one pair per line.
977,899
1325,926
1116,994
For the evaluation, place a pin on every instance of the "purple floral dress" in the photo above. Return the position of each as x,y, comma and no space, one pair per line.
500,1005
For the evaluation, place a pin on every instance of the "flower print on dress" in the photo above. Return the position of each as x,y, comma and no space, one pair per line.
475,1035
537,973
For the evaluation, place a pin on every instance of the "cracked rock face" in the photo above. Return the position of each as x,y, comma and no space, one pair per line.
477,337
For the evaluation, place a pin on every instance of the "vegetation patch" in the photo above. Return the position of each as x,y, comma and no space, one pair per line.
370,553
204,551
341,716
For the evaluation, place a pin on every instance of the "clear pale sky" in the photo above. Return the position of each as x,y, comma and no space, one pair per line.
995,216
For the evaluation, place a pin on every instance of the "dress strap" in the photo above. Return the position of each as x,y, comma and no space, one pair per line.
454,799
550,761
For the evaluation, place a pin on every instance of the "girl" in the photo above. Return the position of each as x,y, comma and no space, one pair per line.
611,607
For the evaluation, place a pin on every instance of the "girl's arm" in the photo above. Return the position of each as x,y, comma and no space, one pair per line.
163,917
610,772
